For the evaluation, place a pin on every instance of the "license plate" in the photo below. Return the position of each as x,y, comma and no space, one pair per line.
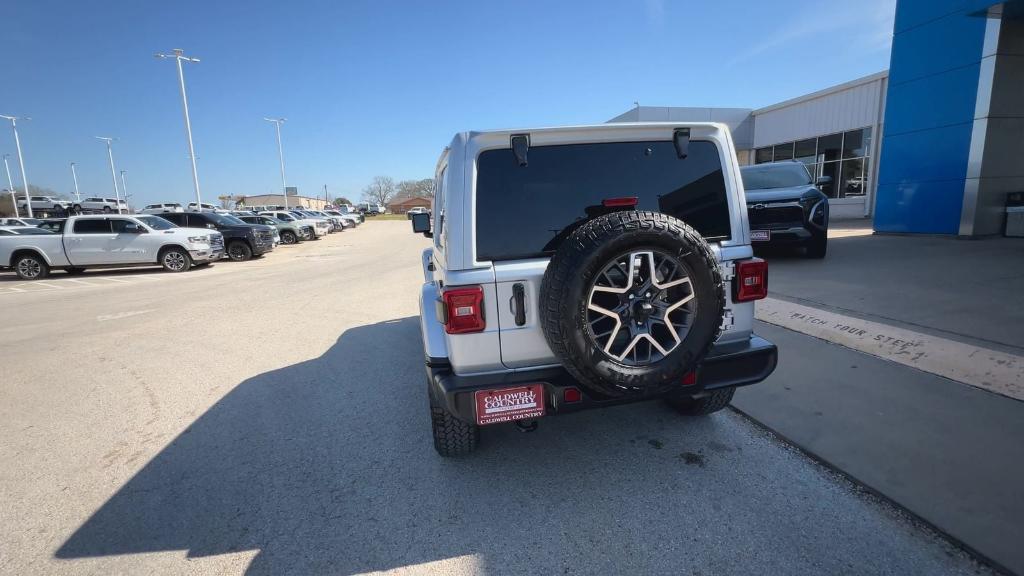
760,235
509,404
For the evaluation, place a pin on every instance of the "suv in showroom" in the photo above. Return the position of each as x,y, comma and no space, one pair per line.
636,281
785,207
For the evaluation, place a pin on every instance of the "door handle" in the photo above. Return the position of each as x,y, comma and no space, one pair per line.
518,303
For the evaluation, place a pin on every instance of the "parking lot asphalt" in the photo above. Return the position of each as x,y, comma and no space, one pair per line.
270,417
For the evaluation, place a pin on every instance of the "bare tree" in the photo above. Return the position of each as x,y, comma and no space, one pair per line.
415,188
380,191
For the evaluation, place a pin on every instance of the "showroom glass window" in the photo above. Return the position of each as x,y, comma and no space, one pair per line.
844,158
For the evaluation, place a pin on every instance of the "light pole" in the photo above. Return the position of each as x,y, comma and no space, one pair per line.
21,163
280,154
74,175
124,188
179,56
10,186
113,172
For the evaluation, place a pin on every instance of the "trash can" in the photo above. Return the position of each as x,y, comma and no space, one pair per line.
1015,221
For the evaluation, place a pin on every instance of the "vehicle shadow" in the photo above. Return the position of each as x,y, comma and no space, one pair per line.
9,276
327,467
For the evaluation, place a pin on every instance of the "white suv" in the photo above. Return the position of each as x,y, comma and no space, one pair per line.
95,203
164,208
45,203
636,280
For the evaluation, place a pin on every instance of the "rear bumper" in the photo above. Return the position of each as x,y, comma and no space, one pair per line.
727,365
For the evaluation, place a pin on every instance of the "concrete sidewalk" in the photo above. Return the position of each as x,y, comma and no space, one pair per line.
967,290
950,453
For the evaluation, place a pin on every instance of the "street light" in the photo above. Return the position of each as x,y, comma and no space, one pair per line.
124,188
280,154
179,56
74,175
10,186
113,172
21,163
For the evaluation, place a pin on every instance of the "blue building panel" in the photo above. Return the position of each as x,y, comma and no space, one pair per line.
949,42
929,115
934,101
926,155
920,207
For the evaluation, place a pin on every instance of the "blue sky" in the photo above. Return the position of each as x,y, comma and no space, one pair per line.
379,87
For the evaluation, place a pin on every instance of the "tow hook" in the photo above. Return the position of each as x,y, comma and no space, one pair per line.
527,425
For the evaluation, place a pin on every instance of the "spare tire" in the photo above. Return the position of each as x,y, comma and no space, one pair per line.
631,302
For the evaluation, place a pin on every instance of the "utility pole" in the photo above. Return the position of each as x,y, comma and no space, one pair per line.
21,163
74,175
280,154
179,56
113,173
10,186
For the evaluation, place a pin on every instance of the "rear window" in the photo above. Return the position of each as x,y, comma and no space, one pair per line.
92,226
526,212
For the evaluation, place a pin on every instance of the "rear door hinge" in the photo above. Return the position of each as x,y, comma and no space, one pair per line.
728,270
727,319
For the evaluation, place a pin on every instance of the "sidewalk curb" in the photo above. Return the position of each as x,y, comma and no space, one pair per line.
979,557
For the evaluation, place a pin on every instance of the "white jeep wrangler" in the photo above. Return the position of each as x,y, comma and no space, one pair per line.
587,266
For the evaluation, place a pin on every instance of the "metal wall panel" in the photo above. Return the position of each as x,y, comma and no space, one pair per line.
837,111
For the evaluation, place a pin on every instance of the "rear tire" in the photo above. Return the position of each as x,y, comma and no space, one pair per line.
452,437
31,267
817,246
713,402
175,260
239,251
289,238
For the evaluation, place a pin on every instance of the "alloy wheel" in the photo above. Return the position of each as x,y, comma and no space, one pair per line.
174,261
641,306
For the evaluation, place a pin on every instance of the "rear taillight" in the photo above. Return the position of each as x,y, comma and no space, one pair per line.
750,281
464,310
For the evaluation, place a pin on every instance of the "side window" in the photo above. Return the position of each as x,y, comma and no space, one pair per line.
92,226
117,225
177,219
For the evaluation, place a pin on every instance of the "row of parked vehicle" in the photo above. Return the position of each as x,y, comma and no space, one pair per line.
177,240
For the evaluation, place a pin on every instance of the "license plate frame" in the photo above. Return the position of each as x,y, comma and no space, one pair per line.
760,235
524,402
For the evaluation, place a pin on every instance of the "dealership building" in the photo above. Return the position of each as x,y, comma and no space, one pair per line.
932,145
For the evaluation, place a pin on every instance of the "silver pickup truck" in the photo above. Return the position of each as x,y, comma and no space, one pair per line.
110,242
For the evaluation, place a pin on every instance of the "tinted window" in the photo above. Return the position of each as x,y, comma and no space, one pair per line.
92,226
118,225
525,212
830,146
6,233
156,222
177,218
766,176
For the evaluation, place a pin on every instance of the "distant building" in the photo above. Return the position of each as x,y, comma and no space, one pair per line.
278,200
404,205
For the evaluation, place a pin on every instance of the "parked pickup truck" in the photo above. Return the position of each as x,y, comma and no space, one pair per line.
110,242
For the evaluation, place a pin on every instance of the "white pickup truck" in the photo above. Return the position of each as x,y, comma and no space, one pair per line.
110,242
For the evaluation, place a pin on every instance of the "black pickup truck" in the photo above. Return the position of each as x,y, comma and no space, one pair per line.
242,241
